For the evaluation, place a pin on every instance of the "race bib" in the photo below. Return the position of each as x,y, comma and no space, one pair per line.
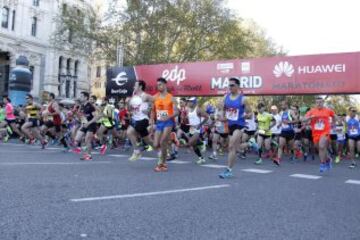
193,130
319,125
232,114
262,132
161,114
354,131
284,125
84,120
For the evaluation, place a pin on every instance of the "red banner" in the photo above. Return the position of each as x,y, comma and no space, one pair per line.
312,74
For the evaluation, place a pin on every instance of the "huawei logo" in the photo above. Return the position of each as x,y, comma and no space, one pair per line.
283,68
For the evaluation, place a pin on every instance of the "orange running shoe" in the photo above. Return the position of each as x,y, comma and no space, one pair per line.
161,168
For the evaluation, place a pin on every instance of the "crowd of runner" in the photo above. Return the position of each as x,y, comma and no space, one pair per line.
157,122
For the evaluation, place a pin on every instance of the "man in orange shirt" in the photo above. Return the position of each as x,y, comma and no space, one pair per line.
165,111
319,118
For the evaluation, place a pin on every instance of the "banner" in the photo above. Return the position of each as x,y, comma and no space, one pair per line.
295,75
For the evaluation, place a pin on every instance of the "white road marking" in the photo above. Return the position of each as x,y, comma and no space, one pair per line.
149,193
128,156
178,162
213,166
350,181
147,158
118,155
50,163
312,177
254,170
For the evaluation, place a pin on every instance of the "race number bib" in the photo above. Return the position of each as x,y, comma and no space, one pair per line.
319,125
284,125
161,114
194,130
232,114
262,132
354,131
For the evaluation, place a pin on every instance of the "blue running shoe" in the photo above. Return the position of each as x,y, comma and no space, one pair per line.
322,167
328,165
226,174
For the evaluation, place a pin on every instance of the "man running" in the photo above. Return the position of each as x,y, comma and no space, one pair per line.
139,106
234,106
89,125
319,118
353,132
165,111
32,121
10,117
197,118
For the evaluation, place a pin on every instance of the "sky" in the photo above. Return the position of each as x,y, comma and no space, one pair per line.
306,26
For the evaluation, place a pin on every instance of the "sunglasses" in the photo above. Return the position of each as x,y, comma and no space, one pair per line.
232,85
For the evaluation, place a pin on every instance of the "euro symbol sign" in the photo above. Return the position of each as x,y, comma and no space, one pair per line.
121,79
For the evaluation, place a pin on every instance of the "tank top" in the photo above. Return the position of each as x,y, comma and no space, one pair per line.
353,127
137,107
56,118
251,123
9,112
163,106
194,119
284,126
234,110
32,111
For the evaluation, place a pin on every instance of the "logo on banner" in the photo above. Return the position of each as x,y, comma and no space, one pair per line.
225,67
175,75
283,68
121,79
245,67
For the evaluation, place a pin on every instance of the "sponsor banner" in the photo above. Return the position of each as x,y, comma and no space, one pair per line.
120,81
312,74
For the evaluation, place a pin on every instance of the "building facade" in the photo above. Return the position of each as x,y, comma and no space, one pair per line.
26,29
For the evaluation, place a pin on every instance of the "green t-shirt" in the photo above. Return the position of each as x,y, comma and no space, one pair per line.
2,114
264,122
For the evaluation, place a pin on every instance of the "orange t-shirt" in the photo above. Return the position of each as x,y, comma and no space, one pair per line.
320,123
163,107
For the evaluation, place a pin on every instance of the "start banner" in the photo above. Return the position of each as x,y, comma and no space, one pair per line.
281,75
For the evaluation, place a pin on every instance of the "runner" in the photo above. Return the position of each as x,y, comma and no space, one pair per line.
106,123
319,118
275,130
89,125
32,122
197,118
265,122
234,106
220,134
10,117
164,112
353,131
52,125
139,106
287,131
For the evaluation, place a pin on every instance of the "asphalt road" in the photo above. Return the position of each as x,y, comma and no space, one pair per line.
49,194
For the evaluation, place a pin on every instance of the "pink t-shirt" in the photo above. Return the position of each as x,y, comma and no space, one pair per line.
9,111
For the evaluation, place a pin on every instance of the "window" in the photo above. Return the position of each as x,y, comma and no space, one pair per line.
76,68
5,17
34,26
13,20
67,88
98,71
70,35
64,8
68,67
36,3
75,88
32,69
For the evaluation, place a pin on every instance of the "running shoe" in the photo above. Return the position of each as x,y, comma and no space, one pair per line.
213,157
226,174
328,164
200,161
9,130
103,149
161,168
298,154
276,161
6,138
322,167
337,159
259,161
149,148
86,157
182,141
76,150
171,157
353,165
135,156
43,144
253,145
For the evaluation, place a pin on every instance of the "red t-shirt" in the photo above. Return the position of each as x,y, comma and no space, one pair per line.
320,121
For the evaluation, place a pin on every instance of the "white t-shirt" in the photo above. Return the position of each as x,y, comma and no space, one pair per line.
275,129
